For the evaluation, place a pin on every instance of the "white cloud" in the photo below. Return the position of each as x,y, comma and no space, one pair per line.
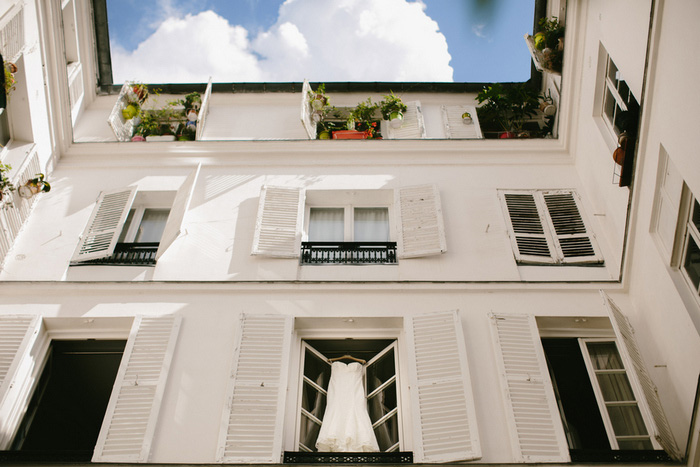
478,30
344,40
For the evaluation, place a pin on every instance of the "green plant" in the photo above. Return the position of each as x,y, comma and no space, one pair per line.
6,186
10,81
550,40
191,101
391,104
507,105
364,118
318,99
552,30
40,182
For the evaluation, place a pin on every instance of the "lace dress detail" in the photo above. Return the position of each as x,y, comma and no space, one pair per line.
346,424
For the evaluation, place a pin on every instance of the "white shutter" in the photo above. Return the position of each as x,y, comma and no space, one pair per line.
307,113
534,422
252,423
203,112
455,128
279,222
526,226
421,227
17,337
629,350
105,224
413,126
12,32
441,395
131,415
177,212
121,127
573,241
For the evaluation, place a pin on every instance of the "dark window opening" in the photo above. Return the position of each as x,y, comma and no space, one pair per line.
69,402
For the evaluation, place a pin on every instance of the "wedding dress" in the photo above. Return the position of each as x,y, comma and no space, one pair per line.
346,425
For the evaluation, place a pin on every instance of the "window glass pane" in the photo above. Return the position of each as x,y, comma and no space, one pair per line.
387,433
641,444
624,91
609,106
371,225
615,387
313,401
125,229
152,225
627,420
326,225
613,74
695,217
691,262
604,356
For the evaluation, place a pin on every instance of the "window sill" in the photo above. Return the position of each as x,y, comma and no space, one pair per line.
586,455
291,457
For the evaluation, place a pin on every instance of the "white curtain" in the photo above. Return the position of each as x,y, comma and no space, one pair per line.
371,225
326,225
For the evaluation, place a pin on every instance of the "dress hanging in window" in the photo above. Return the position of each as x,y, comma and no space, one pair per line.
346,425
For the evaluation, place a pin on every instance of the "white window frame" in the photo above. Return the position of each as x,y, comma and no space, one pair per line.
687,230
349,218
137,218
612,90
602,407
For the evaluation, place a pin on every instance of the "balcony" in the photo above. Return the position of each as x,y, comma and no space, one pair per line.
316,253
128,254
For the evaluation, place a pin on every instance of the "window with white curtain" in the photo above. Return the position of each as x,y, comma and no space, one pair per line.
144,225
348,224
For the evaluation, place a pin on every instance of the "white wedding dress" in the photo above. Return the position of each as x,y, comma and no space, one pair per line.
346,425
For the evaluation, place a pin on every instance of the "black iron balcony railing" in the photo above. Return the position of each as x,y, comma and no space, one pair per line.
130,254
348,253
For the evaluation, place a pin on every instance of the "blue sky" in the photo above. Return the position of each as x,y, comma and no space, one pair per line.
320,40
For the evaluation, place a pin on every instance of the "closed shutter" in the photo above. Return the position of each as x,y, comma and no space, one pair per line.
535,427
279,222
441,395
629,350
17,336
105,224
422,231
307,114
177,212
132,412
413,126
203,112
455,128
573,241
531,244
252,423
121,127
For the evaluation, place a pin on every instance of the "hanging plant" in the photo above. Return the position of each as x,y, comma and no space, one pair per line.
6,186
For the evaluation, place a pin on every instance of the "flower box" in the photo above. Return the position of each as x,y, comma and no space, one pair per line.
349,134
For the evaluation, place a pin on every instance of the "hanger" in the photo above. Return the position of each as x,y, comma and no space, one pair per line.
348,357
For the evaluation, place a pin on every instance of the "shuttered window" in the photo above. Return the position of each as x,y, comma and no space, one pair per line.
457,127
419,212
413,126
279,222
547,227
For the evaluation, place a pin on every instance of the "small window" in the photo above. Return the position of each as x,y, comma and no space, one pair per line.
690,252
547,227
619,105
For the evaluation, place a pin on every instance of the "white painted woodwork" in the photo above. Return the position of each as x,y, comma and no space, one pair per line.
203,112
455,127
419,212
413,126
279,222
307,113
178,210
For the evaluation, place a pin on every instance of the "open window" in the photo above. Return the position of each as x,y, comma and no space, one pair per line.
349,227
548,227
595,400
128,227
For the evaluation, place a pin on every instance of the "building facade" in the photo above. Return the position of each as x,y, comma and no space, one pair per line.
511,301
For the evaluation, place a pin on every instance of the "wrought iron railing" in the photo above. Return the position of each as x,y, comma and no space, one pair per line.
348,253
129,254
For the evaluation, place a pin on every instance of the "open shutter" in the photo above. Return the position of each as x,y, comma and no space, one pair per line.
526,226
535,426
629,350
279,223
131,415
252,423
203,112
177,212
413,126
17,337
572,240
307,114
421,227
455,128
443,407
105,224
121,127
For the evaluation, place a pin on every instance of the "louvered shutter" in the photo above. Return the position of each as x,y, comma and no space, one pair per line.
307,114
455,128
413,126
121,127
526,225
534,423
203,112
572,240
441,395
105,224
279,222
131,415
252,424
629,350
177,212
421,227
17,335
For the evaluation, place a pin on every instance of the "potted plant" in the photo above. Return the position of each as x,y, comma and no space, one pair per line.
10,81
508,107
135,96
318,98
392,109
549,41
34,186
363,119
6,186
